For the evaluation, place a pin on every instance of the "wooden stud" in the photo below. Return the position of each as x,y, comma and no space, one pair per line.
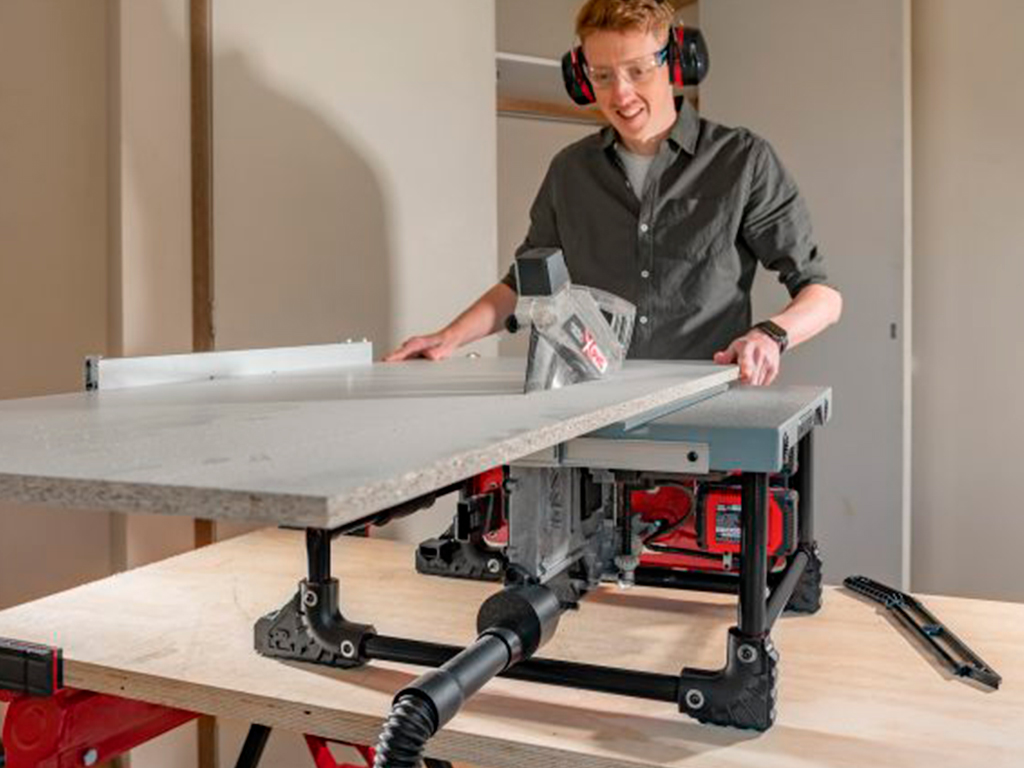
204,533
207,744
202,176
200,43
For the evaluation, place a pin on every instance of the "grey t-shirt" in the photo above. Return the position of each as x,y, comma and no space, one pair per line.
716,203
636,168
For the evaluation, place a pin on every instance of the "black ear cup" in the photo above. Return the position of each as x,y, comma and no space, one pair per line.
692,57
574,75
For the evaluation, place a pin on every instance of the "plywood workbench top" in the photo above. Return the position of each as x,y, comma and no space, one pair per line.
853,690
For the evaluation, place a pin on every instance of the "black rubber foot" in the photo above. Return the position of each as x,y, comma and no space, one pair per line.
742,694
283,635
806,598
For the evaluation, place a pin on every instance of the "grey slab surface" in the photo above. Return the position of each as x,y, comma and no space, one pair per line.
311,449
746,428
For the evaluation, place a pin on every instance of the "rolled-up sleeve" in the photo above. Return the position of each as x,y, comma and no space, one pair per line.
776,224
543,231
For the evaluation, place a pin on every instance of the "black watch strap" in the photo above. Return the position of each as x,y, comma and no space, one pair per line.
775,332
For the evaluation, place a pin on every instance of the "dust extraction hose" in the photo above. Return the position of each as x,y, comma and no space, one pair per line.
513,624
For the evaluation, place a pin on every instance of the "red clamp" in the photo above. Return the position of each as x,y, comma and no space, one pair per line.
73,728
324,759
48,726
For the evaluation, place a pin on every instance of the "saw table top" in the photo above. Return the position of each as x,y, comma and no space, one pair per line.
750,429
747,428
316,448
853,689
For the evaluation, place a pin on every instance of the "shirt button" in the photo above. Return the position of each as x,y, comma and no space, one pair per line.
644,227
645,274
643,319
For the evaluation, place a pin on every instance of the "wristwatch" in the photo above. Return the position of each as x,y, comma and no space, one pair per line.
775,332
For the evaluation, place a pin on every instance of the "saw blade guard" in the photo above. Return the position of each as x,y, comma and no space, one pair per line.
577,333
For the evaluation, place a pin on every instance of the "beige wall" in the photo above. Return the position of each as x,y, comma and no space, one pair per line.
535,27
154,176
53,205
53,251
969,269
353,186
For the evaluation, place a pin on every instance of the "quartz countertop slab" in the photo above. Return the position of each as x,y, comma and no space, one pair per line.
314,449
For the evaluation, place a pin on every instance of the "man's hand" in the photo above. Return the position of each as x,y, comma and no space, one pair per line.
485,316
433,346
757,355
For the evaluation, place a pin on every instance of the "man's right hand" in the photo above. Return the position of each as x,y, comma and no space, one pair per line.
433,346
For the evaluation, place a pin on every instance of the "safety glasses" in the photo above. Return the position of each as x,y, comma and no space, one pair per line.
634,71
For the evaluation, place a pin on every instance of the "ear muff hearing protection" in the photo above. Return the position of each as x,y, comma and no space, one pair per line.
687,62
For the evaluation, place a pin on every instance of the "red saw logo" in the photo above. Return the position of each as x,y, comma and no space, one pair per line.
593,352
586,342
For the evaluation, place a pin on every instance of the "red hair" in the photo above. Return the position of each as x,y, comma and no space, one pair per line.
622,15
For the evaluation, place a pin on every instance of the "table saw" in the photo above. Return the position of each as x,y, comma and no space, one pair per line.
333,445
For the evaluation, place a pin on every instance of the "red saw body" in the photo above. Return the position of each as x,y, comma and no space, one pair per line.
698,526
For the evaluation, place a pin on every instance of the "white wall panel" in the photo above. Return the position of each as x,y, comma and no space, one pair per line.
968,354
826,81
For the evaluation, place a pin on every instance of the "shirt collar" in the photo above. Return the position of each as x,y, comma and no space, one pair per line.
683,134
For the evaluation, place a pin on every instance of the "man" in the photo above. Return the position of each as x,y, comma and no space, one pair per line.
669,211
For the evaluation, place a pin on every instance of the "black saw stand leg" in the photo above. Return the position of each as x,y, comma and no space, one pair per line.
310,626
806,597
742,693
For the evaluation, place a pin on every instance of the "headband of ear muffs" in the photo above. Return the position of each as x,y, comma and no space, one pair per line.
688,63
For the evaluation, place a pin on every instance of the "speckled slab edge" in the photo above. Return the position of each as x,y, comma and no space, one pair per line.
574,411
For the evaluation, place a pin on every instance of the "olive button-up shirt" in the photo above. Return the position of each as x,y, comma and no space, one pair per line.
685,248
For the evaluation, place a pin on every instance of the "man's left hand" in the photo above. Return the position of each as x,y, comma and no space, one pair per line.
757,355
